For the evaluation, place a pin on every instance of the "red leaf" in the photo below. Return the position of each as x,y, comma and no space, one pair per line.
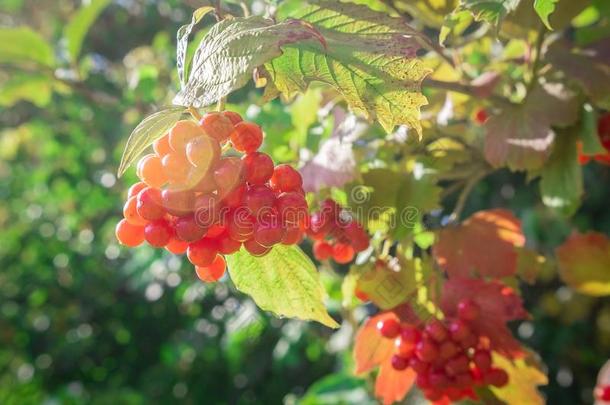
484,244
370,348
499,304
392,385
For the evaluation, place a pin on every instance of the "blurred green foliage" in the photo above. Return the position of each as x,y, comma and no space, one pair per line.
85,321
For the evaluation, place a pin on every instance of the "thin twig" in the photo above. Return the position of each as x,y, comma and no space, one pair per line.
464,89
220,105
194,113
537,60
463,197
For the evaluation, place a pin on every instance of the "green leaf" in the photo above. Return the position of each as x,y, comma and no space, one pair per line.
561,185
76,30
337,389
284,282
229,53
24,45
388,288
545,8
183,40
370,58
31,87
149,130
491,11
455,23
591,144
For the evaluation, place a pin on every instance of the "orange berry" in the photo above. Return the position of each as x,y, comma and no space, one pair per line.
161,146
213,272
130,212
234,117
203,152
247,137
135,189
150,171
177,246
176,167
181,134
128,234
217,126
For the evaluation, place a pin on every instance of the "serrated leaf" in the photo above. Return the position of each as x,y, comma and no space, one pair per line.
80,23
24,45
284,282
491,11
370,58
520,136
544,8
524,377
183,39
584,263
149,130
561,185
231,50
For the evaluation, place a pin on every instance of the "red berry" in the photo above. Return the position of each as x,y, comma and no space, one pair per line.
389,327
434,395
203,152
322,250
457,365
343,253
361,295
256,249
128,234
130,212
247,137
399,363
216,230
176,167
602,393
207,210
459,330
464,380
181,133
177,246
468,310
259,200
161,146
188,230
234,117
258,167
213,272
203,252
234,197
423,381
603,130
481,116
291,207
227,245
149,204
496,377
241,227
403,347
426,350
178,202
357,236
419,366
410,334
438,379
448,349
135,189
158,233
217,125
320,222
292,236
285,178
482,359
269,231
229,173
436,330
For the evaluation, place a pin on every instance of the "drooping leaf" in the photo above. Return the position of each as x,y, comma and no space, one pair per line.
36,88
80,23
183,39
491,11
584,263
545,8
561,185
500,304
284,282
393,385
370,348
149,130
525,375
370,58
231,50
24,45
521,136
459,252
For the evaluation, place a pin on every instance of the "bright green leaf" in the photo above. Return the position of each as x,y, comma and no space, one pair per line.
149,130
491,11
34,88
369,57
545,8
80,23
183,41
229,53
24,45
284,282
388,288
591,144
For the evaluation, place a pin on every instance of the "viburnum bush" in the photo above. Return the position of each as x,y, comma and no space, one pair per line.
420,103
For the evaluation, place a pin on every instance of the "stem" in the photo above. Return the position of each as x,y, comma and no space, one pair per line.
462,88
537,60
463,197
194,113
220,106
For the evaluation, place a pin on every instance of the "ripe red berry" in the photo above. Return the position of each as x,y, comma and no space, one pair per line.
233,198
203,152
320,222
130,212
128,234
178,202
229,173
389,327
448,349
256,249
207,210
343,253
212,272
234,117
399,363
357,236
481,116
259,200
201,182
436,330
322,250
176,167
188,230
459,330
202,252
423,381
258,167
457,365
217,125
496,377
292,236
177,246
361,295
291,208
181,133
403,347
468,310
410,334
135,189
149,204
464,380
285,178
247,137
241,227
438,379
426,350
227,245
269,231
482,359
216,230
602,392
150,171
420,367
161,146
158,233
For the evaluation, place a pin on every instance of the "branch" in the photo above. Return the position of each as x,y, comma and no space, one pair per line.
463,197
464,89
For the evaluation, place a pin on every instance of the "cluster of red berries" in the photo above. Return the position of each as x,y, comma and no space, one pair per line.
336,233
603,132
195,199
448,357
602,393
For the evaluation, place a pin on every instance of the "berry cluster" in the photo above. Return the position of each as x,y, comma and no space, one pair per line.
448,357
336,233
602,393
195,199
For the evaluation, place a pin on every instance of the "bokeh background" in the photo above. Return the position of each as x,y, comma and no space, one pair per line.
83,320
